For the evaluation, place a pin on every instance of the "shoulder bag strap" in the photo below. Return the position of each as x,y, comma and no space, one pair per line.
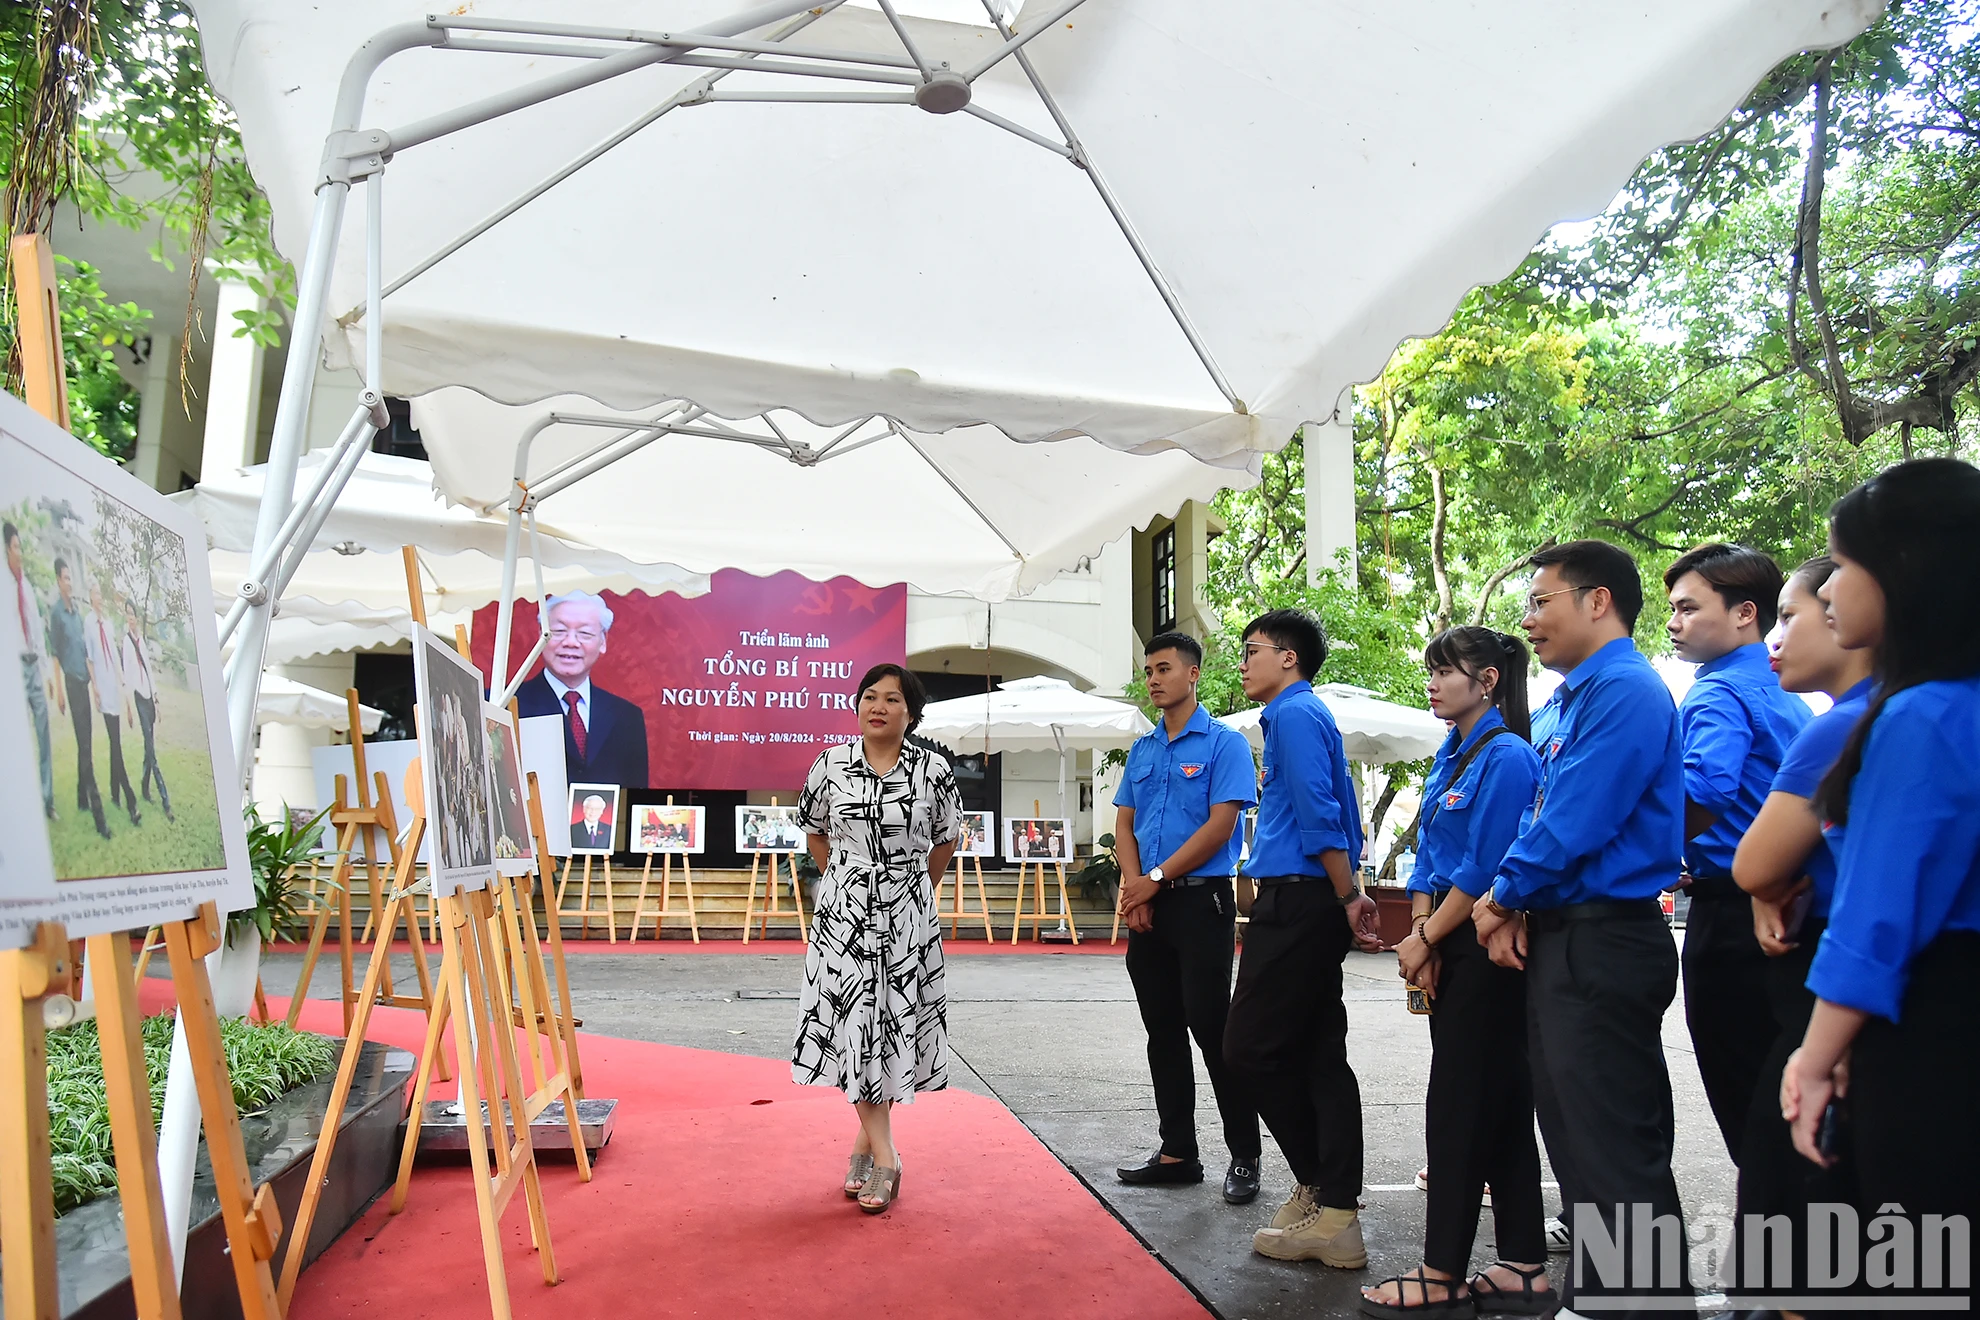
1457,774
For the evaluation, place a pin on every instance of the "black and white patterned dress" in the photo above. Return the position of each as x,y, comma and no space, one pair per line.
872,1018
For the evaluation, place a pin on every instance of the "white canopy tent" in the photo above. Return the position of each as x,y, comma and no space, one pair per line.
1034,715
866,214
285,701
1372,730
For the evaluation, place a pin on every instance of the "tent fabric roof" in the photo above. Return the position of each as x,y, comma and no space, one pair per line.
1374,731
285,701
1021,716
1314,181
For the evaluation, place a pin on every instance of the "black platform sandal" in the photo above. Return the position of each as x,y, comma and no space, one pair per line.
1452,1304
1491,1299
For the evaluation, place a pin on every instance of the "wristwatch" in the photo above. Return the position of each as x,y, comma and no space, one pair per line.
1155,874
1354,892
1492,906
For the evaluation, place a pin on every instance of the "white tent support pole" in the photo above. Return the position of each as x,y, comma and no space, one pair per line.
825,450
849,73
907,40
961,494
1017,42
374,295
685,96
810,98
1059,737
1039,139
498,660
260,570
571,80
683,40
346,468
518,46
630,428
1121,221
542,610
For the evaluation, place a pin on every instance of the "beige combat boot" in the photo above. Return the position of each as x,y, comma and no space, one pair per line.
1330,1236
1297,1207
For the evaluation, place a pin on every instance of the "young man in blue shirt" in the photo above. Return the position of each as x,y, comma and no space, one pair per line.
1575,903
1287,1034
1735,725
1176,833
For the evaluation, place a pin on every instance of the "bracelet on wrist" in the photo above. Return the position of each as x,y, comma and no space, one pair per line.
1492,906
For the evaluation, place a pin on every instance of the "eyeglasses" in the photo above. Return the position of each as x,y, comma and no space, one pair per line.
1534,602
1251,649
579,634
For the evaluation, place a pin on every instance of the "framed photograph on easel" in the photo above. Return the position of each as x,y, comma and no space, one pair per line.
515,850
768,830
453,740
977,834
594,818
1038,839
665,828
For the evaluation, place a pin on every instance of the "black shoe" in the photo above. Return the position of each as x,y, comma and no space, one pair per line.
1241,1182
49,807
102,828
1156,1172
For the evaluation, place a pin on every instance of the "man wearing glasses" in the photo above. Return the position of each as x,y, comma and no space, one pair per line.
604,734
1287,1033
1575,903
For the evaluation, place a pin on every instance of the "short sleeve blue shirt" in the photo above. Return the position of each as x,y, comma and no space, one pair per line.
1608,820
1737,724
1307,805
1477,816
1808,758
1171,784
1908,864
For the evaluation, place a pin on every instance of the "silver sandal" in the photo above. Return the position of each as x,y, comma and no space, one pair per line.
858,1170
883,1188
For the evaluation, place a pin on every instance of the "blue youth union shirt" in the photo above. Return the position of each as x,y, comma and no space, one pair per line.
1608,820
1737,724
1908,864
1307,805
1172,783
1808,758
1478,815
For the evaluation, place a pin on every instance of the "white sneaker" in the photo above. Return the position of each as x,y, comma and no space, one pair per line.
1423,1179
1558,1238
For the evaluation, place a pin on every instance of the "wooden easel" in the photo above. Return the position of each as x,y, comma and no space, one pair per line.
560,1017
1038,915
666,908
27,1203
958,912
584,911
772,904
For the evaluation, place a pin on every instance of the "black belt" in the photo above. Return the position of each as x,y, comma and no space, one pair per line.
1714,888
1608,910
1195,881
1267,881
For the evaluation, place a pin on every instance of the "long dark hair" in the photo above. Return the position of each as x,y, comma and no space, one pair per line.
1912,528
1473,651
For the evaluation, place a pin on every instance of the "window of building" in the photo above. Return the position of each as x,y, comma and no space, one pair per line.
384,681
1162,566
401,438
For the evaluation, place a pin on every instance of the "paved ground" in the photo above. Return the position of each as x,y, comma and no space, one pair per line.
1057,1039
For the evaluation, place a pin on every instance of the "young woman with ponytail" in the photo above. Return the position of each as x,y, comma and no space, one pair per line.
1479,1109
1896,1022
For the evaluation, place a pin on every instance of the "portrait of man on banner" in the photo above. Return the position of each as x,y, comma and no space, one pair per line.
604,734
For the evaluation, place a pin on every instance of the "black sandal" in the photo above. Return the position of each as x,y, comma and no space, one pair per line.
1451,1305
1491,1299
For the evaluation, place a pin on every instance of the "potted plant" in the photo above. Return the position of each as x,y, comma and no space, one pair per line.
1101,876
274,853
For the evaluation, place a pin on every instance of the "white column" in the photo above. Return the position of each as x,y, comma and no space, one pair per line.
1118,646
1330,489
148,464
233,387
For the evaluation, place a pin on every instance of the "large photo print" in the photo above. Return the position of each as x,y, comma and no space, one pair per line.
110,621
460,815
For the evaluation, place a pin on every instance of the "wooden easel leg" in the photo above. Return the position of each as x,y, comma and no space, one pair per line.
749,905
566,1020
1038,910
261,1003
345,952
154,1286
982,901
452,918
252,1228
611,926
144,955
430,1057
797,900
1017,911
1065,903
639,903
319,926
687,879
27,1193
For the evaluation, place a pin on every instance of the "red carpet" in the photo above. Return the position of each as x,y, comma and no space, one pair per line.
718,1196
573,947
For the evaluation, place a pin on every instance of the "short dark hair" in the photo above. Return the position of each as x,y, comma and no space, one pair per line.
1591,564
1176,641
61,566
10,534
1298,631
1738,573
912,690
1813,573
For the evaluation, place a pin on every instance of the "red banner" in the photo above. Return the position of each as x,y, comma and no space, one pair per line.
737,689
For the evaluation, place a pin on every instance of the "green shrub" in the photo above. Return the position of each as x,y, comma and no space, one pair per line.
263,1061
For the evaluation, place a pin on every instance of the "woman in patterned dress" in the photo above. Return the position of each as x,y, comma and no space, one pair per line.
881,818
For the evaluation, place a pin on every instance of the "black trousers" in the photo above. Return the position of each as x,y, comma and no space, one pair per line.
1726,1005
120,778
1774,1178
87,797
1181,970
1911,1088
1599,979
147,714
1478,1113
1287,1036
